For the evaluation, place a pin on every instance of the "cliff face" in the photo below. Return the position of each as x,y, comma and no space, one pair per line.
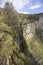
33,33
30,28
21,38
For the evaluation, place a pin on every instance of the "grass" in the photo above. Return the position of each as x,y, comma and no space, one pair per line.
36,48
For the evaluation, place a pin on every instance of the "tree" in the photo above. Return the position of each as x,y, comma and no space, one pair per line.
10,15
9,6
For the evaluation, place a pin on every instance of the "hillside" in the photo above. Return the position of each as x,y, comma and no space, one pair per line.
21,37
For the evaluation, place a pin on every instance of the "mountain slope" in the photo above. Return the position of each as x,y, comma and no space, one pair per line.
21,38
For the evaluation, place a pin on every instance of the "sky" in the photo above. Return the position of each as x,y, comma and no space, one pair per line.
26,6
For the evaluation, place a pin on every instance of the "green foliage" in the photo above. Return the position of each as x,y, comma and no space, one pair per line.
11,31
36,48
39,34
33,18
4,27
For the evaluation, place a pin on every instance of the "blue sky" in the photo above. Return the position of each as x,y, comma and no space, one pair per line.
26,6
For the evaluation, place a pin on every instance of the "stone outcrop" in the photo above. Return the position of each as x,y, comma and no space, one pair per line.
30,29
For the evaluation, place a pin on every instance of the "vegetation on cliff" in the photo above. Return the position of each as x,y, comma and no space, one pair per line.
14,48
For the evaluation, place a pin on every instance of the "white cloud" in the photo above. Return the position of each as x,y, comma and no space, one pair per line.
24,12
37,5
19,4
